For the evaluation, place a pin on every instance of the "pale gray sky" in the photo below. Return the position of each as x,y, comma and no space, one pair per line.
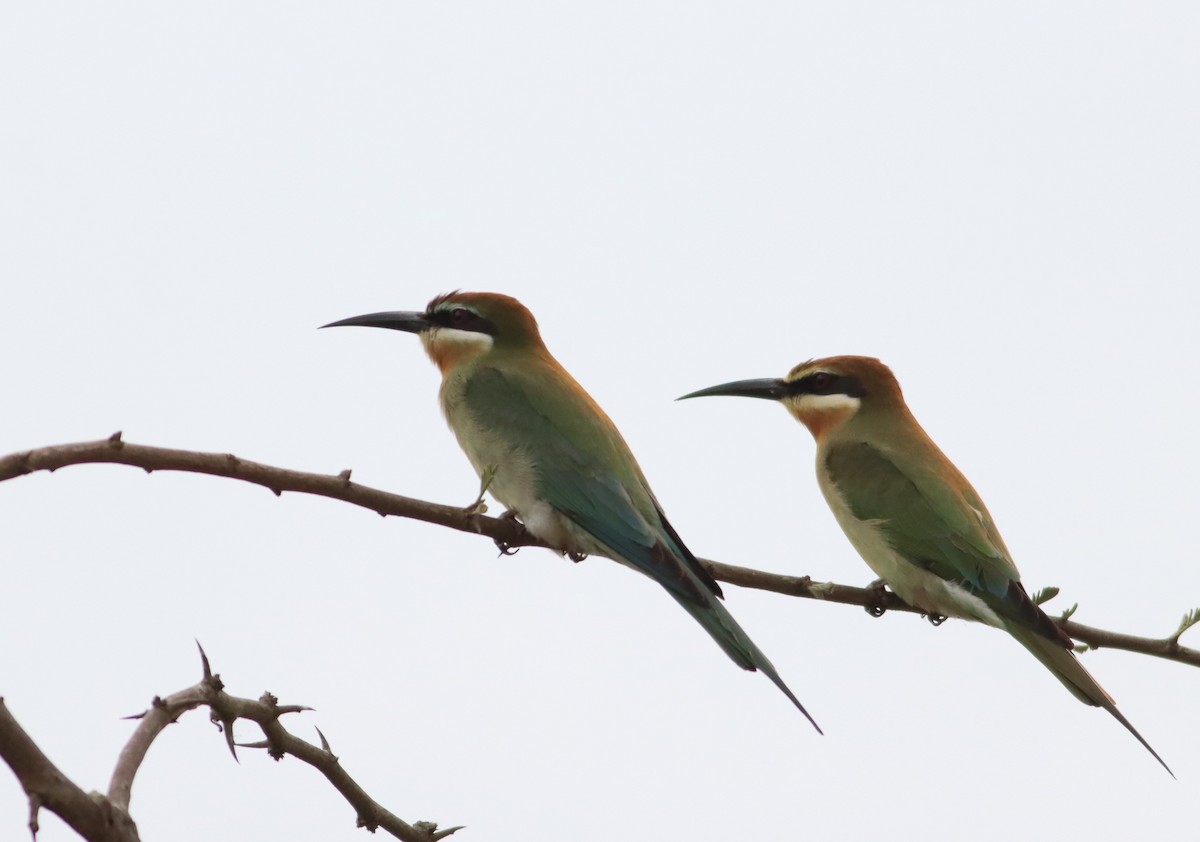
1001,201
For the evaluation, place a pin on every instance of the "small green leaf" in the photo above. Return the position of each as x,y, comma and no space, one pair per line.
1045,595
1066,615
1190,619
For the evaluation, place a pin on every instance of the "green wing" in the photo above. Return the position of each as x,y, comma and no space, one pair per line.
584,469
941,527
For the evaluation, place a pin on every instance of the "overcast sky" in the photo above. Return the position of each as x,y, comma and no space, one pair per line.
1001,201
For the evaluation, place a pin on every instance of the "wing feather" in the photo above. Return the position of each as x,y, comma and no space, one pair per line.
932,524
584,469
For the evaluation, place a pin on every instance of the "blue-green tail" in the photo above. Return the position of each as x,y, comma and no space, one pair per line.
730,636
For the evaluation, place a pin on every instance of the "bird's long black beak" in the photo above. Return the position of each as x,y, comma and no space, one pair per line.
772,389
395,320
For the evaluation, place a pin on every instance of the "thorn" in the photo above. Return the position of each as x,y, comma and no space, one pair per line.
259,744
204,662
381,514
324,742
442,834
293,709
344,476
115,440
278,492
226,725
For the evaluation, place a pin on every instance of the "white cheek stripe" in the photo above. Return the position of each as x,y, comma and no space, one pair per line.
463,338
818,404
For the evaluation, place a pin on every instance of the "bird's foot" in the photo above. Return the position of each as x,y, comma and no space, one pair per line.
877,594
576,557
934,619
502,545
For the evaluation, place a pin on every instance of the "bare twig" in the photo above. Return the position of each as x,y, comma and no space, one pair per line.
106,819
505,531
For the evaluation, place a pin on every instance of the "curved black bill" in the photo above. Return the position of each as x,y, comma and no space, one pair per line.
770,388
394,320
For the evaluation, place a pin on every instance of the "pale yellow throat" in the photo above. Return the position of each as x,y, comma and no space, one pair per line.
449,347
822,414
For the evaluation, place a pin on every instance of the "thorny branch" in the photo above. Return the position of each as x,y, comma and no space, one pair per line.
106,818
507,532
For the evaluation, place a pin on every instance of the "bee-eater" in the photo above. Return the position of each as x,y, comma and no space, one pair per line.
910,513
544,448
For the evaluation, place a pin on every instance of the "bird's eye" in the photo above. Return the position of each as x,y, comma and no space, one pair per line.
821,381
460,316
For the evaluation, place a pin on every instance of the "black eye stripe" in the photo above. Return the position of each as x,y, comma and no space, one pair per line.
827,383
460,318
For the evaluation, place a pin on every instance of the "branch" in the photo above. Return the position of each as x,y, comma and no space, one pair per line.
91,816
106,819
507,532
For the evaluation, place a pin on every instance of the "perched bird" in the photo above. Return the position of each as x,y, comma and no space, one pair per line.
910,513
547,451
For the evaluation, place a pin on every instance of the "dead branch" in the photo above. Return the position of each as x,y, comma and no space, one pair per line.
106,818
506,532
91,816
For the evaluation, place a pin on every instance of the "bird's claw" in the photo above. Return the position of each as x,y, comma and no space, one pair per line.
576,557
502,545
877,592
935,619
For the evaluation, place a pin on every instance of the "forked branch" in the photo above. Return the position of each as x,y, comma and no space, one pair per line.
106,818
